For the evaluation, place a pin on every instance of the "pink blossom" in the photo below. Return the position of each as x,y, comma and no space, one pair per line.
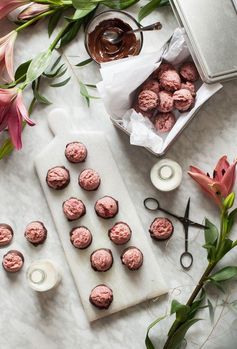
12,114
221,185
6,6
6,56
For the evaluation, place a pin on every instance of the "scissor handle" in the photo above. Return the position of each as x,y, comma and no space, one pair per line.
189,255
154,204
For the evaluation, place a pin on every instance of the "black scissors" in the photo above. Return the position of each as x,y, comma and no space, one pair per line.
153,205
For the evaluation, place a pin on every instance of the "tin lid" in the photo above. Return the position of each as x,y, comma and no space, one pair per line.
211,27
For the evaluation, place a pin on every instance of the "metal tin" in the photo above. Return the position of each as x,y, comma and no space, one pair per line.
210,27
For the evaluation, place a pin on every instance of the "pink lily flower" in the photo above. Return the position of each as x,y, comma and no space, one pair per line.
33,10
12,114
7,6
221,185
6,56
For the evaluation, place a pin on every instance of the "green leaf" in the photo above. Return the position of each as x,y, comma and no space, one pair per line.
211,237
217,285
119,5
84,93
53,22
211,233
224,274
80,13
38,65
87,61
56,63
182,313
148,8
211,310
22,69
226,246
61,73
164,3
71,33
178,337
229,201
6,148
39,98
54,74
91,86
196,305
181,310
62,83
148,342
231,219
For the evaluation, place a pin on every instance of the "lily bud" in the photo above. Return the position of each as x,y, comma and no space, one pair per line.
229,201
32,11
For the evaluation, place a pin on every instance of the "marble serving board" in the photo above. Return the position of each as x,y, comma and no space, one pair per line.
129,287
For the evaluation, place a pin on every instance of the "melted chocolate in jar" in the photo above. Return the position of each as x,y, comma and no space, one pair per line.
103,51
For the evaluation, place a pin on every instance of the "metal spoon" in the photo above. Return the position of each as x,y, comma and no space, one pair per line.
115,37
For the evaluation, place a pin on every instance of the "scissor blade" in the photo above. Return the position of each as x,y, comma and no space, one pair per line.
186,215
197,225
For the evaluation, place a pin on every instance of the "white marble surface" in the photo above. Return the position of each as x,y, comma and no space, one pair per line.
56,320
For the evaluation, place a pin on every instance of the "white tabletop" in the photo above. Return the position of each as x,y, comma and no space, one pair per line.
56,320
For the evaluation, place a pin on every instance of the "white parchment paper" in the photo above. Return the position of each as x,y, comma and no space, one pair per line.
121,78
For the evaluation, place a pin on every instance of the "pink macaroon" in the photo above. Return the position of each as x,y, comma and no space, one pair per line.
170,80
132,258
76,152
120,233
89,180
164,66
13,261
147,100
183,100
73,209
161,229
189,72
58,177
35,233
101,259
101,296
151,85
148,114
106,207
166,102
81,237
189,86
164,122
6,234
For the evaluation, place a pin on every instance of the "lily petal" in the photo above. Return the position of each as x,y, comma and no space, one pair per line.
206,184
221,167
15,126
228,179
21,109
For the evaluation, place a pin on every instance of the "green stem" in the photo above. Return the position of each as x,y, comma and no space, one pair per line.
33,20
199,286
194,294
58,37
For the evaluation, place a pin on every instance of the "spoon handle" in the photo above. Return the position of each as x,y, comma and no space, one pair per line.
154,26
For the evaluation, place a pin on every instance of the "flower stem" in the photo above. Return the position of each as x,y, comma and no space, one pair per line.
194,294
59,36
200,284
33,20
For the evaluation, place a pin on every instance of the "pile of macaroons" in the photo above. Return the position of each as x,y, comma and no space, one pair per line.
164,91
